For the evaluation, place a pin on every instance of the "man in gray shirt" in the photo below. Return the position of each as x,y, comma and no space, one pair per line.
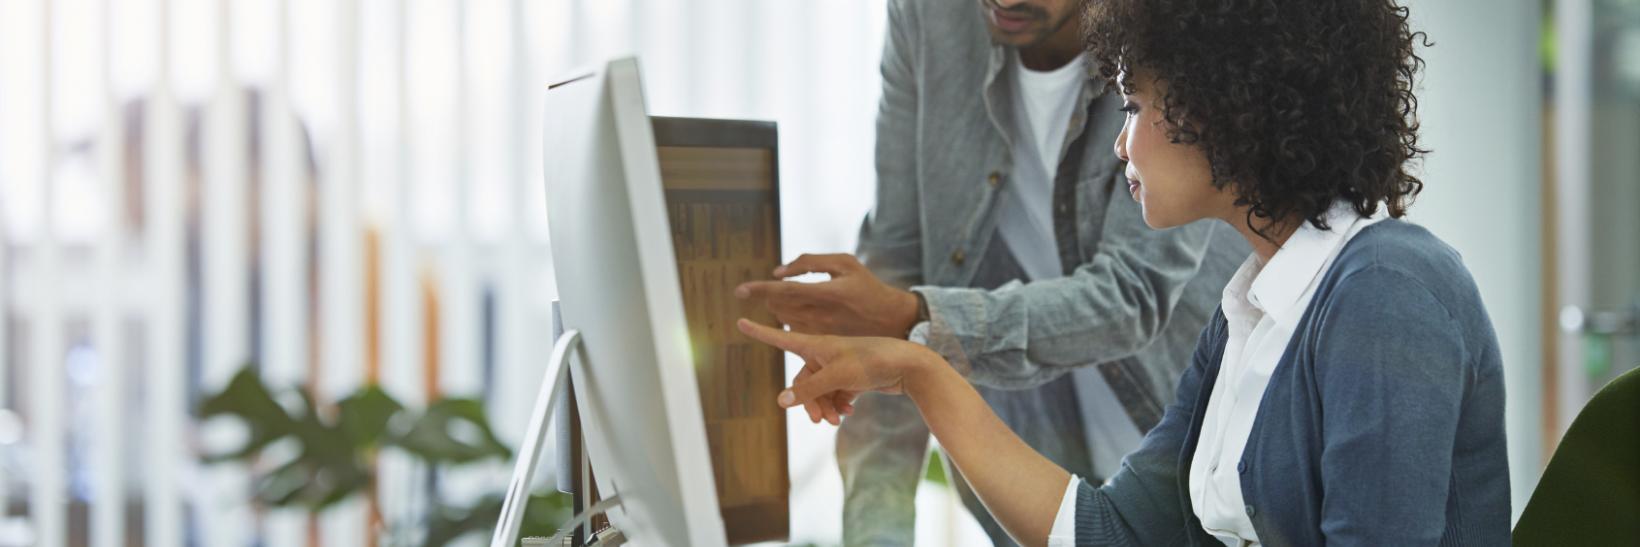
1005,238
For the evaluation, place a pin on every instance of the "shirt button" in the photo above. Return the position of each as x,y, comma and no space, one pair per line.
995,179
1250,511
1242,467
958,257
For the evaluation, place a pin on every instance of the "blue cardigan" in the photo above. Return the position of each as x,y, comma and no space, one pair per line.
1382,423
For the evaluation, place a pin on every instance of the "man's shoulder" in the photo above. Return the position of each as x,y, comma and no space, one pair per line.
946,26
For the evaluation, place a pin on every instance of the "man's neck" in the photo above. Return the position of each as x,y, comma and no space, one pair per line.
1056,51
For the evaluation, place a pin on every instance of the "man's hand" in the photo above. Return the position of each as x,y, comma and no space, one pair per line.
836,369
853,303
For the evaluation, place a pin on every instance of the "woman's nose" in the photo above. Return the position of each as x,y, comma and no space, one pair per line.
1121,145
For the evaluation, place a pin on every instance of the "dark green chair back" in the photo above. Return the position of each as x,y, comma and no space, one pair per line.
1590,492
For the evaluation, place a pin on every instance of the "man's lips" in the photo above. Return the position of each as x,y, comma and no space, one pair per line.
1010,21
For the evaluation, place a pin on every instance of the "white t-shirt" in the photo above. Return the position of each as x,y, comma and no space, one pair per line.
1042,115
1047,99
1042,106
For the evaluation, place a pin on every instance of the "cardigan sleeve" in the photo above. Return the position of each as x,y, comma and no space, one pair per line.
1390,365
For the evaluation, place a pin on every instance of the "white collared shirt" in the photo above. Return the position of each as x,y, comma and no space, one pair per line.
1063,533
1263,303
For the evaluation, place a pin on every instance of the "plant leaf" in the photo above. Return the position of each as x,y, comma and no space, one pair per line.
364,415
248,398
453,431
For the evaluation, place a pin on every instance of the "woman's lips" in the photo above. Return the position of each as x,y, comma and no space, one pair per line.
1133,187
1009,22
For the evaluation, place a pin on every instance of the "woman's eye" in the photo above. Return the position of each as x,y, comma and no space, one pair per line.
1130,109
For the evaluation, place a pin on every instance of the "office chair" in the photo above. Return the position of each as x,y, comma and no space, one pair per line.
1590,492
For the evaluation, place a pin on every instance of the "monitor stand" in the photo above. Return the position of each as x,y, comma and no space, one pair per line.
554,387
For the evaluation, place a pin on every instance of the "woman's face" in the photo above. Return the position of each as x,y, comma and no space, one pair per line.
1173,182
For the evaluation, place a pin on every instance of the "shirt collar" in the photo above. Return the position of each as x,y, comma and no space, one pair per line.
997,96
1238,311
1002,56
1282,282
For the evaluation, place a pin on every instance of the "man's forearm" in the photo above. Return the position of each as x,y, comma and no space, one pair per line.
1117,304
1019,486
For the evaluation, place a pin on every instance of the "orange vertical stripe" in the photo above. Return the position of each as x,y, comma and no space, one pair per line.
372,307
430,334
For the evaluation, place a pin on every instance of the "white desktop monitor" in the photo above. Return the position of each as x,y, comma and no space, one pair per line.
634,377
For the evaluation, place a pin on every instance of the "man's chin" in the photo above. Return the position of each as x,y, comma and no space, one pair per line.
1022,39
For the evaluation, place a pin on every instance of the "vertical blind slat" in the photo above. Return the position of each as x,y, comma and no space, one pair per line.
227,518
341,262
165,398
47,502
108,507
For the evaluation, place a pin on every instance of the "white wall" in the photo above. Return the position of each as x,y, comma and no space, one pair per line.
1481,109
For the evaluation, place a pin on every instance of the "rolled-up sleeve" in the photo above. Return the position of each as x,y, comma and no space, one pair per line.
1111,307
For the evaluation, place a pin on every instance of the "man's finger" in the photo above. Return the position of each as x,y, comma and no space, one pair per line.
830,264
789,341
783,308
776,291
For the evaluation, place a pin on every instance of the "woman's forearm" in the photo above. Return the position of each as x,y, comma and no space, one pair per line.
1021,488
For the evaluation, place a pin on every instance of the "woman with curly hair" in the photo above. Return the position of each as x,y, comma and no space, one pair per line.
1348,392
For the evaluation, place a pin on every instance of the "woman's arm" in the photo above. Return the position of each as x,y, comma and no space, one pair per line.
1020,487
1140,505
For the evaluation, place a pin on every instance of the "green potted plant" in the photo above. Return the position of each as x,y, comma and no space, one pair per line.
334,457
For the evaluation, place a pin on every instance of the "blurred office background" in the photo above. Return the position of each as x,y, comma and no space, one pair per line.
342,193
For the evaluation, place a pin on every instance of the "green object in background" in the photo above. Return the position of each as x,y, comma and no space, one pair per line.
934,470
1590,491
333,460
1546,41
453,431
1597,356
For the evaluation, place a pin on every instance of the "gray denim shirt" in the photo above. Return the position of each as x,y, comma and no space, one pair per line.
1127,312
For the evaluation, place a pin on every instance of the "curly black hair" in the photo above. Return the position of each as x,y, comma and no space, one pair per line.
1297,103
